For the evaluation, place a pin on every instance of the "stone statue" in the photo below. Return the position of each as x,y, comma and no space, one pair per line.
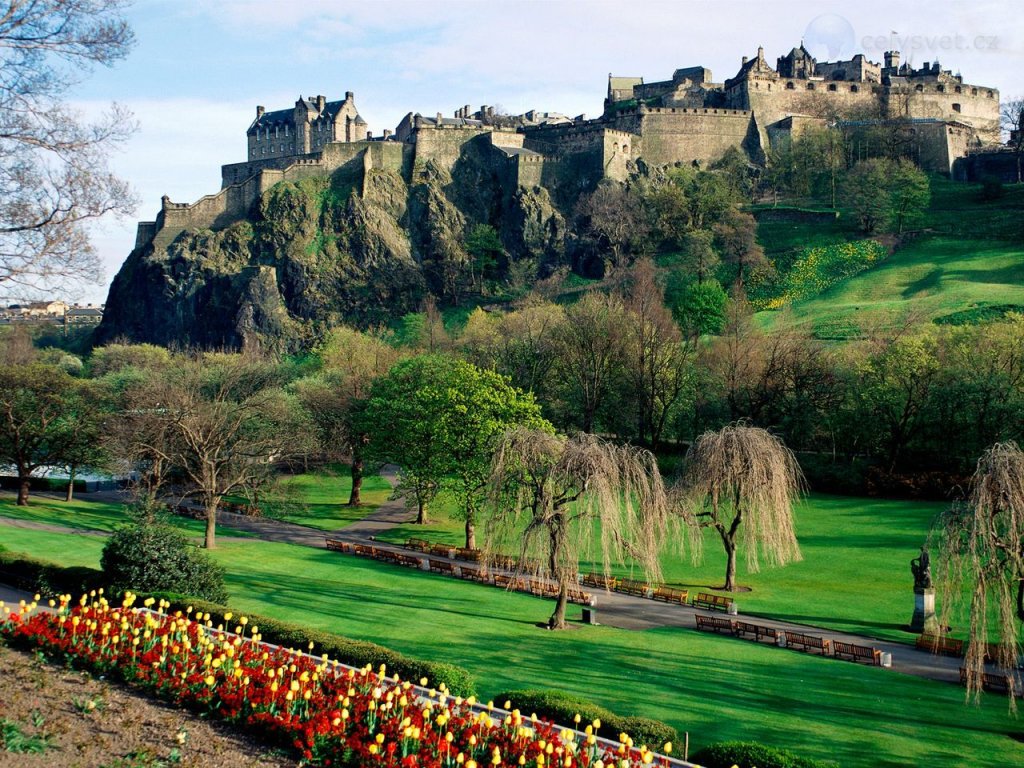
922,571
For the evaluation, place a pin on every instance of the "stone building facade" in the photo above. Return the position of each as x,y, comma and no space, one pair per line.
687,119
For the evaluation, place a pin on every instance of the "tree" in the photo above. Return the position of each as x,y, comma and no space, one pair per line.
219,420
883,193
701,308
54,177
1011,118
736,235
613,218
550,494
87,411
486,253
437,418
34,419
740,475
590,352
981,561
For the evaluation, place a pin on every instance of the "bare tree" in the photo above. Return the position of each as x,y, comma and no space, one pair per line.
550,495
54,177
981,561
1011,118
740,475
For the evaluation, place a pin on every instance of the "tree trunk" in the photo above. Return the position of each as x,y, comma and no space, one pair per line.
71,486
24,481
421,512
210,541
354,499
730,567
470,532
557,620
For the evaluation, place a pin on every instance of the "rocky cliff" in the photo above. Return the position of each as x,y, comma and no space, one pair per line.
321,250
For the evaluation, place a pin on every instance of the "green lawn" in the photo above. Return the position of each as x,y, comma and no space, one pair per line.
968,253
318,499
714,687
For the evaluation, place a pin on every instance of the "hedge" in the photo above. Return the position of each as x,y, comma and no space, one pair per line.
561,707
357,653
34,575
750,754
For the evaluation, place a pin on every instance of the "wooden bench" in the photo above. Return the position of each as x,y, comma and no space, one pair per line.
757,632
712,602
991,681
598,580
441,566
713,624
338,546
945,646
856,653
408,561
580,597
806,643
364,551
670,595
631,587
420,545
472,573
469,555
441,550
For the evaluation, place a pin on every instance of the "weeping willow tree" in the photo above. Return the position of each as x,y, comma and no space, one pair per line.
980,563
742,481
552,496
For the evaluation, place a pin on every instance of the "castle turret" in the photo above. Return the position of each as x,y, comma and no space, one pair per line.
892,60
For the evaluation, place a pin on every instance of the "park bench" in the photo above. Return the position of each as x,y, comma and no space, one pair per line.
338,545
806,643
469,555
364,551
856,653
712,602
441,550
598,580
757,632
420,545
580,597
472,573
946,646
408,560
441,566
992,681
503,561
713,624
631,587
542,588
670,595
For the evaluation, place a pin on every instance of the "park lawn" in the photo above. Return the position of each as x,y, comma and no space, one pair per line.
444,526
854,576
86,515
317,499
715,688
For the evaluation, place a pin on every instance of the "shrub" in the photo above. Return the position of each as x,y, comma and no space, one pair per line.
34,575
357,653
750,754
561,708
151,556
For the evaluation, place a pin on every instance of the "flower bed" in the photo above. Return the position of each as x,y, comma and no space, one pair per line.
330,713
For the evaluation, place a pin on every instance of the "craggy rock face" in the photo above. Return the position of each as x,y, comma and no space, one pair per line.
317,252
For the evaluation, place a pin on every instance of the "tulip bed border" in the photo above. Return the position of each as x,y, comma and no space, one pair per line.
332,714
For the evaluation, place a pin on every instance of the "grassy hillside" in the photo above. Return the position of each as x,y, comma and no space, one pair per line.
967,255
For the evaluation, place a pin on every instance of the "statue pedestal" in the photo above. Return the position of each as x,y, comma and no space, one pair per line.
924,621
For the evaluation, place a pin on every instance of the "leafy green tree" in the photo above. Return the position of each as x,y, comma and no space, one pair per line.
909,194
486,252
884,193
89,408
35,419
613,220
437,418
700,308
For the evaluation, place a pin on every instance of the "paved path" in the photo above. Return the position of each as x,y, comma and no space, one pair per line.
613,609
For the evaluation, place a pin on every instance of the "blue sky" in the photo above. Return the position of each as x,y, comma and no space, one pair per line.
200,67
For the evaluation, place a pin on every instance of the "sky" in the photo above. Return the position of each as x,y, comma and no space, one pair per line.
200,67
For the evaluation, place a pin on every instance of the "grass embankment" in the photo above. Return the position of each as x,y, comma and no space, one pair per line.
317,499
714,687
966,254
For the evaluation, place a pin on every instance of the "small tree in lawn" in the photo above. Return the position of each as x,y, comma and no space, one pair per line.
980,563
742,481
550,495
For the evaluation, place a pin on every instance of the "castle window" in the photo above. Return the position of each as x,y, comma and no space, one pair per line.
854,89
958,89
790,86
940,88
990,94
919,88
832,87
956,107
810,86
974,91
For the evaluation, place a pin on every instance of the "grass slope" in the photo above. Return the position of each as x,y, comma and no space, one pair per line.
967,253
714,687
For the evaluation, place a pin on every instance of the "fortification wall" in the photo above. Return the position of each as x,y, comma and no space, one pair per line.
975,105
617,152
677,135
443,145
795,97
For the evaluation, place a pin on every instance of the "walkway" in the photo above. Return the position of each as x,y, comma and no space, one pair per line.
613,609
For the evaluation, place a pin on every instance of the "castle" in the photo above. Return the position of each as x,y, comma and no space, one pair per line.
688,119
